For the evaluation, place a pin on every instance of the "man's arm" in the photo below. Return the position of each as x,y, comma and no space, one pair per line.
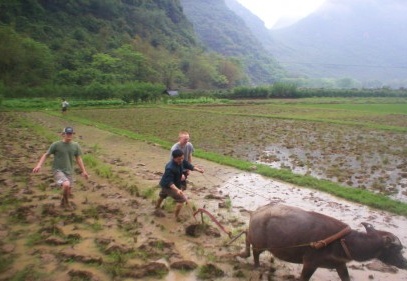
79,161
191,150
189,166
42,160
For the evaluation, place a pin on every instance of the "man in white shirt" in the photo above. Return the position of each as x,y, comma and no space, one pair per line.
185,146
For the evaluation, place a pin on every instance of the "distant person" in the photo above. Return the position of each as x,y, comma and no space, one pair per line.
170,182
187,148
64,151
65,105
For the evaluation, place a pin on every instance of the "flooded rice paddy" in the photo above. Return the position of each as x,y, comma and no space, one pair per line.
362,154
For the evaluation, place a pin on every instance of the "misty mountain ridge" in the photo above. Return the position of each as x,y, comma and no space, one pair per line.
363,40
222,31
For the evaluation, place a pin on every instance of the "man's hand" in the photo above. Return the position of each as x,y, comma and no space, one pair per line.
36,169
85,174
201,170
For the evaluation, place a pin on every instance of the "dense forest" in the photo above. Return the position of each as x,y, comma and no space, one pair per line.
105,48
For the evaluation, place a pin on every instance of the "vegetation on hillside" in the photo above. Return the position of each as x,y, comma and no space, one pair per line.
63,48
222,31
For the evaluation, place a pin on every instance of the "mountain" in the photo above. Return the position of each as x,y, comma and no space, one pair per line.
107,46
222,31
364,40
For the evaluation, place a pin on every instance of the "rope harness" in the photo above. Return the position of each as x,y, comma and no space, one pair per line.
322,243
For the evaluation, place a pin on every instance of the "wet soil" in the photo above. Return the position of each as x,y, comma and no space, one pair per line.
114,232
351,155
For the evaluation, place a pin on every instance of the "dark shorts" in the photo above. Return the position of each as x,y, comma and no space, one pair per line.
165,192
184,183
64,109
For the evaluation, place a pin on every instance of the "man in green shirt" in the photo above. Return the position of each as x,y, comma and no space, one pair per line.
64,151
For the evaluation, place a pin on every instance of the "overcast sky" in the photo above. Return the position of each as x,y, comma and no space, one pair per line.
283,12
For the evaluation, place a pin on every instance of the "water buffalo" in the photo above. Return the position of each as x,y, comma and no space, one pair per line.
316,240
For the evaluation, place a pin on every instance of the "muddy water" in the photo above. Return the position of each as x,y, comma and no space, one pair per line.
369,170
249,191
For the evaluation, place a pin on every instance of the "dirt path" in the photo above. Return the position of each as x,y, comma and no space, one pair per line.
114,235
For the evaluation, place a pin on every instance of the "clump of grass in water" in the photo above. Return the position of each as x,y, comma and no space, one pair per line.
148,192
133,190
101,169
42,186
96,226
228,203
33,239
28,273
209,271
5,263
104,171
92,212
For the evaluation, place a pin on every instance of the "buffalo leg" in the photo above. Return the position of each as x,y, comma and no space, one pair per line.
256,256
343,272
246,252
307,272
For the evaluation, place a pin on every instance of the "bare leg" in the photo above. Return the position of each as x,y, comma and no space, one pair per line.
178,208
159,201
66,190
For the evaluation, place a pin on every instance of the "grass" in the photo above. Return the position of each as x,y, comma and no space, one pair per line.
28,273
101,169
209,271
34,239
149,193
5,263
96,226
228,203
55,103
382,108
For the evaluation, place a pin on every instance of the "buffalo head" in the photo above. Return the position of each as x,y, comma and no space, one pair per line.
392,251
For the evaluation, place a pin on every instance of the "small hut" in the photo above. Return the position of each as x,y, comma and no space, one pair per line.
171,93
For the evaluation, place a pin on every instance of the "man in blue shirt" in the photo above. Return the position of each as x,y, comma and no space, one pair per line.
171,180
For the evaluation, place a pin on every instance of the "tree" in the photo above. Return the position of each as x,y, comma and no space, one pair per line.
23,61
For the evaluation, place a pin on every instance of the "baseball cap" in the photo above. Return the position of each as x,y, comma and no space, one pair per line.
68,130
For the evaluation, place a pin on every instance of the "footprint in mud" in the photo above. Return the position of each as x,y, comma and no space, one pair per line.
159,213
196,230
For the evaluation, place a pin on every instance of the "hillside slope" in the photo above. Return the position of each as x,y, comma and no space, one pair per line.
223,31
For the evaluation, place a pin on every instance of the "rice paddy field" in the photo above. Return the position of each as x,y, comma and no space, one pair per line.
358,143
